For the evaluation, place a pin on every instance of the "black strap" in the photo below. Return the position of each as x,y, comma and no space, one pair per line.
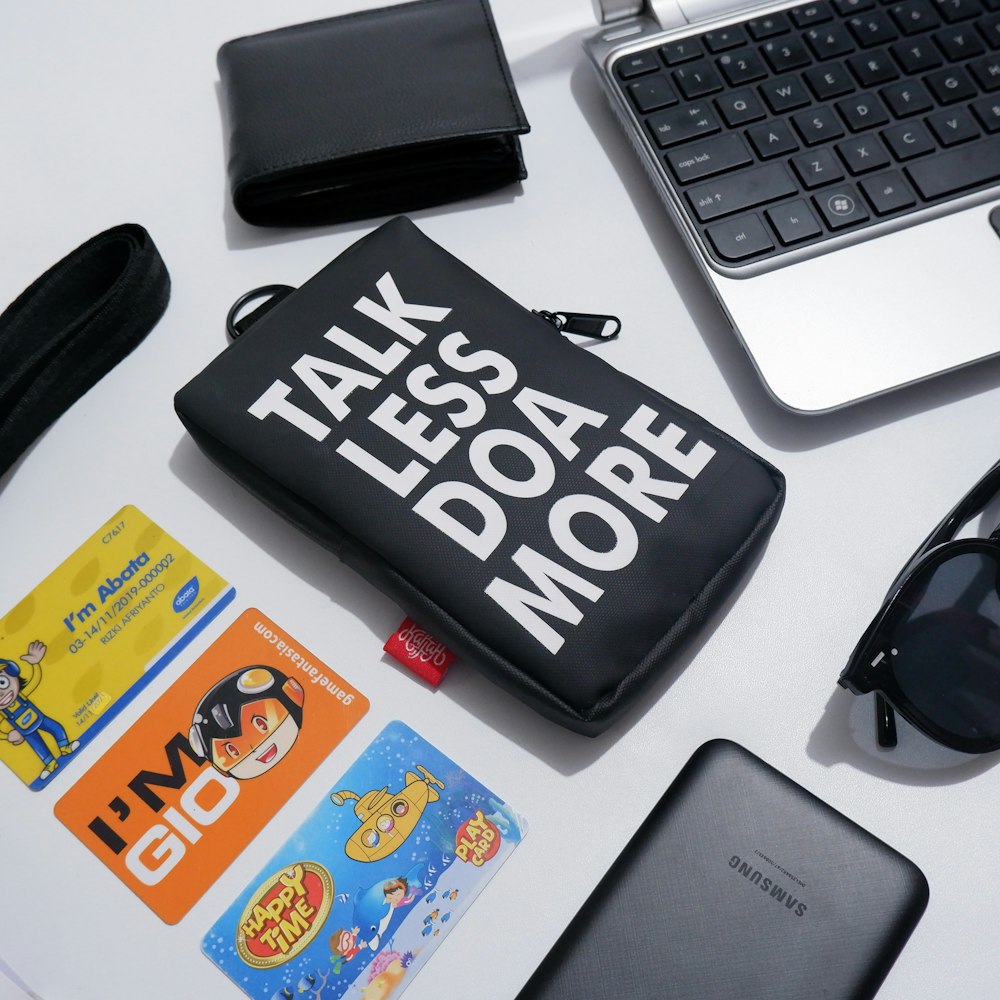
71,326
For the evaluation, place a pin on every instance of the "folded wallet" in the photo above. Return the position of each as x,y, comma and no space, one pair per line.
370,114
558,524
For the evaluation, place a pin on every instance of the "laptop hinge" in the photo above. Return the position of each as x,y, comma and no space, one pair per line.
666,13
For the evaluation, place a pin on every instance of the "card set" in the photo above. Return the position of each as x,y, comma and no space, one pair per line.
359,898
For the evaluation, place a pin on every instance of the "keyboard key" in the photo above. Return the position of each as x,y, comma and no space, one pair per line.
785,54
916,57
914,16
909,140
793,222
680,124
636,64
863,153
740,238
951,85
956,10
739,107
988,112
768,26
960,42
888,193
817,125
705,157
952,127
652,93
817,168
841,208
679,52
989,28
829,41
907,98
847,7
872,28
862,112
737,192
986,72
724,38
811,13
697,79
873,68
772,139
957,169
829,81
785,93
742,67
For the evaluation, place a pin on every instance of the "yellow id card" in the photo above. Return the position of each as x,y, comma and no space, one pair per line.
91,635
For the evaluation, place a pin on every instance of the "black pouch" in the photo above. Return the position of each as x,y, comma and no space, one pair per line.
370,114
558,524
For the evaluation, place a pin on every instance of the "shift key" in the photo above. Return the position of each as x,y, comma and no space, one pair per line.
739,191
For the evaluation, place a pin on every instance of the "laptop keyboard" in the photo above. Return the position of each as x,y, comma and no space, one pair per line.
791,128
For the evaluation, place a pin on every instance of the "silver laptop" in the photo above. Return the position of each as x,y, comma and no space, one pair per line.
834,167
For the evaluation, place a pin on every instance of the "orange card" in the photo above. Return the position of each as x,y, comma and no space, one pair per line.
174,801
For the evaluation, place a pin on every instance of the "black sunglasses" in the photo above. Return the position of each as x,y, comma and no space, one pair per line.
933,650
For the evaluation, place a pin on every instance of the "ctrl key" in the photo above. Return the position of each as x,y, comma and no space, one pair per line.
740,238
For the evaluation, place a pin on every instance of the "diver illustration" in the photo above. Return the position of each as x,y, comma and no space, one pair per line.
388,818
248,722
376,907
21,721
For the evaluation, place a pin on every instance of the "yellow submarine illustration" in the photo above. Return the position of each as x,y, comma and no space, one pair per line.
388,818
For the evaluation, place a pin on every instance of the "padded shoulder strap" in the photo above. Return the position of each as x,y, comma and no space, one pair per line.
73,325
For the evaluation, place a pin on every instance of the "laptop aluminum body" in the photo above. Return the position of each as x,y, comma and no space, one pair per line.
851,318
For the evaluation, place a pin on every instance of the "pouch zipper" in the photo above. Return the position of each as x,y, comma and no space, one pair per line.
598,325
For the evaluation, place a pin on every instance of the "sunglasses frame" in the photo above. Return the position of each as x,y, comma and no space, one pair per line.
869,667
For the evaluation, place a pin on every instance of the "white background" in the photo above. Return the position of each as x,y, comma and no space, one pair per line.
110,114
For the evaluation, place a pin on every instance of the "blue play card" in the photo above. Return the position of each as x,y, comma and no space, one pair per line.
360,896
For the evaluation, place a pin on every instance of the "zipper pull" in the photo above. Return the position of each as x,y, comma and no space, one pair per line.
597,325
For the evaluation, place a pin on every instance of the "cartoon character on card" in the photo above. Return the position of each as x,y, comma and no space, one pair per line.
388,818
376,907
21,721
248,722
344,945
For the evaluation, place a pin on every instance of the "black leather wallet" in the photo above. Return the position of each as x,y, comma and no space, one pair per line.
370,114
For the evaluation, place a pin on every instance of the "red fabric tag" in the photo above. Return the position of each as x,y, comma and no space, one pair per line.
420,652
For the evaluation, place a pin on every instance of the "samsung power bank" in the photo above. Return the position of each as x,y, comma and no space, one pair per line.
740,885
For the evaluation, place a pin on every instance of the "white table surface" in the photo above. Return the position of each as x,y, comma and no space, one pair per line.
110,114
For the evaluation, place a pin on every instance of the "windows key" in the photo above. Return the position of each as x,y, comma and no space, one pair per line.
841,208
740,238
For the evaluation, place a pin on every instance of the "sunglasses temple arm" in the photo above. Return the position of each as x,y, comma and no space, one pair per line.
885,723
972,503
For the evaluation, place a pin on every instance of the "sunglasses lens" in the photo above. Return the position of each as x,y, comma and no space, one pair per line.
946,646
